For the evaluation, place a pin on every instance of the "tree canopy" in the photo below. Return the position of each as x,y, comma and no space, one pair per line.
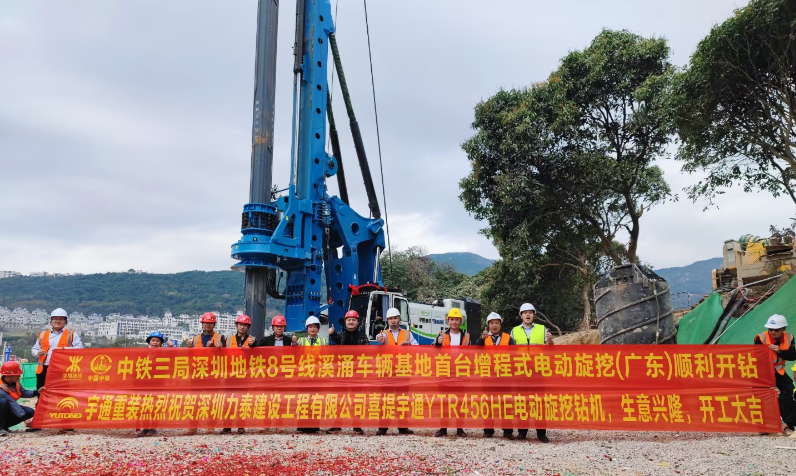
733,105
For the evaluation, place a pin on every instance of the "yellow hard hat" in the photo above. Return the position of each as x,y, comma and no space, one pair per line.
455,312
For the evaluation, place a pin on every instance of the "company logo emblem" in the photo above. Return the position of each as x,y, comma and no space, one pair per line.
67,404
101,364
75,361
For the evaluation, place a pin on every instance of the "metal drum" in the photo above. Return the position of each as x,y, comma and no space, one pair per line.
634,306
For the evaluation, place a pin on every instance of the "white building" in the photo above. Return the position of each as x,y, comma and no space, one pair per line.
9,274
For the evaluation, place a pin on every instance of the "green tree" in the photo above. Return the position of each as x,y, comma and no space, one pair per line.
576,152
733,106
424,280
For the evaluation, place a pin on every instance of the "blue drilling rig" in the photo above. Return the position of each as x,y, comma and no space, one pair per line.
287,242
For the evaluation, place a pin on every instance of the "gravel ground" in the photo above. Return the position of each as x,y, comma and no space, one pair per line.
117,452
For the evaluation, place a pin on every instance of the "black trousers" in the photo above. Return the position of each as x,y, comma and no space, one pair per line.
7,417
539,433
787,406
491,432
40,377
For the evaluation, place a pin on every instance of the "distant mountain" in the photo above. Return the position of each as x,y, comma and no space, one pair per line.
467,263
694,279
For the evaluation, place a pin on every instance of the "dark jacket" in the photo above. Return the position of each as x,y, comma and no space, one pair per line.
15,407
482,340
346,337
271,340
465,336
784,382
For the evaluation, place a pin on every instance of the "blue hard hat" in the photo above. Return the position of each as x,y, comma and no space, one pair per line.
155,334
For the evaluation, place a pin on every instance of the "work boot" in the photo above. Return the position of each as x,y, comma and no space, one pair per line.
141,434
405,431
32,430
5,432
508,434
488,434
359,431
441,432
381,432
333,431
543,438
190,432
226,431
65,432
460,433
152,433
241,431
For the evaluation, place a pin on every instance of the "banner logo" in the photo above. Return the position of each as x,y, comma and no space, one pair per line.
67,407
101,364
74,367
67,404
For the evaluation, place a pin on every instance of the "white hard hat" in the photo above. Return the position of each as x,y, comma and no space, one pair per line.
312,320
493,316
393,312
527,307
59,313
777,321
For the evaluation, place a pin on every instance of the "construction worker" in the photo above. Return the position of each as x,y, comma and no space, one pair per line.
154,340
530,333
350,335
57,337
494,336
241,340
453,336
394,335
11,412
782,349
313,325
278,338
208,337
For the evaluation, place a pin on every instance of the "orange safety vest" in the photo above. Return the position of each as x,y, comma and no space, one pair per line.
779,363
197,340
504,340
10,390
232,341
403,336
44,342
465,339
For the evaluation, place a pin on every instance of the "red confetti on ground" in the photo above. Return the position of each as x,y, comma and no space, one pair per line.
293,464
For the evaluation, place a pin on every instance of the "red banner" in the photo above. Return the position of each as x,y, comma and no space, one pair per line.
677,388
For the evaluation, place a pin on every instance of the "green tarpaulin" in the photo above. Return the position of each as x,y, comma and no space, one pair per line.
696,326
744,330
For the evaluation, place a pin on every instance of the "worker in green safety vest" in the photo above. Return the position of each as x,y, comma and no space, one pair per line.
530,333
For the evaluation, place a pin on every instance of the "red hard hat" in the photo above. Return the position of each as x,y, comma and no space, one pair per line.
278,321
10,368
243,319
352,313
209,317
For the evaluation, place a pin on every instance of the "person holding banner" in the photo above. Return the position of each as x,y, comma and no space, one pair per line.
313,326
57,337
208,337
350,335
394,335
495,337
240,340
278,338
154,340
782,349
11,412
530,333
453,336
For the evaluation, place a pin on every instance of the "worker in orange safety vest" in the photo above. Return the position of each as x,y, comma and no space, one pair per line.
494,336
395,335
57,337
782,349
453,336
11,412
208,338
241,340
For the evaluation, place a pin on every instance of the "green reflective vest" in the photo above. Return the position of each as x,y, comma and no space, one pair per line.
306,341
521,338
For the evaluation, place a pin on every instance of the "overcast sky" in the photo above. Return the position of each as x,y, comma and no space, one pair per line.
125,127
